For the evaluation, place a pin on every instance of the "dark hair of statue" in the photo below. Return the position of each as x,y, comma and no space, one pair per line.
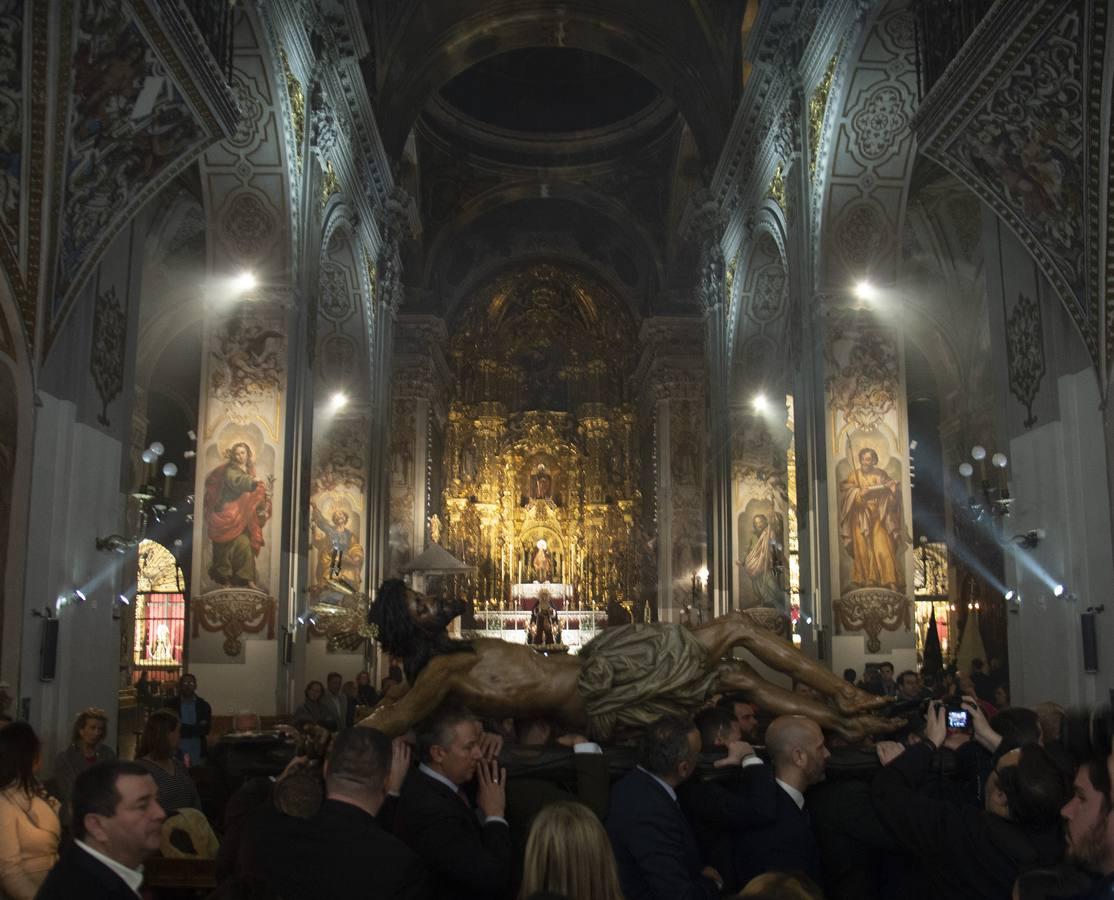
401,637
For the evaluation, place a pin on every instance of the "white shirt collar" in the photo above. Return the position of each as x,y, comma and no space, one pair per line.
668,787
797,796
133,878
437,776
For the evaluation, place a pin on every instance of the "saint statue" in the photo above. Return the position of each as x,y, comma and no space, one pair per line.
542,563
541,484
237,505
336,545
435,528
544,627
871,526
763,564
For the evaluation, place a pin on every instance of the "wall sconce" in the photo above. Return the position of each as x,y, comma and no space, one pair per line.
994,499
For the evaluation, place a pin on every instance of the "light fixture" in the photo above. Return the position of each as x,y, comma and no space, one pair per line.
79,595
1009,595
865,291
338,401
246,280
1030,539
759,402
1058,591
989,499
123,598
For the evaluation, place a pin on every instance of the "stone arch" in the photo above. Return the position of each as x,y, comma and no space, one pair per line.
866,153
452,40
343,324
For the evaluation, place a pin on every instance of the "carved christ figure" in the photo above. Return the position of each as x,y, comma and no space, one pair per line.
871,526
623,679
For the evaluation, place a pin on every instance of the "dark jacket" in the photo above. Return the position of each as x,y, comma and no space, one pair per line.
77,874
654,846
960,850
787,844
204,720
718,809
363,859
466,859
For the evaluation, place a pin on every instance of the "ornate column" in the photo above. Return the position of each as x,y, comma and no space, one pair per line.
417,422
670,376
711,292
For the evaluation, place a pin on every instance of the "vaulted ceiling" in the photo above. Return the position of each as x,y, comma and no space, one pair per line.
533,131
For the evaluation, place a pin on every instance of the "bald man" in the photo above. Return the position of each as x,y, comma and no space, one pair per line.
797,760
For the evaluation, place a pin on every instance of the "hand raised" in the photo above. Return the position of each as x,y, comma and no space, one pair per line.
888,751
491,745
400,765
737,751
491,797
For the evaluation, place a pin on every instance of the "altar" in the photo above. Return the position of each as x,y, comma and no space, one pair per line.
578,626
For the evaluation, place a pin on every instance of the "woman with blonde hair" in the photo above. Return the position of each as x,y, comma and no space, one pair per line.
86,748
568,853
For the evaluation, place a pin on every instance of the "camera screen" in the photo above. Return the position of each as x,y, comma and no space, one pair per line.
958,718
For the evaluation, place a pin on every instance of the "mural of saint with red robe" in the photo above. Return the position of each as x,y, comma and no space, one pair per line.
237,506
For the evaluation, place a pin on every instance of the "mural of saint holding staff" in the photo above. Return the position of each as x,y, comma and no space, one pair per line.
237,506
871,525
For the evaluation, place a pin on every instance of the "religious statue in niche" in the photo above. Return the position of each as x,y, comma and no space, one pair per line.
541,483
541,566
237,506
871,526
544,627
764,563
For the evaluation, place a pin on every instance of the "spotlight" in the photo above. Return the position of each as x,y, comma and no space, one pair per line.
79,594
245,281
808,620
123,598
759,403
865,291
1058,591
301,620
338,401
1009,595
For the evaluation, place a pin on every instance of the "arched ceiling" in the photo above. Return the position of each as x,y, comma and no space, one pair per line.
570,133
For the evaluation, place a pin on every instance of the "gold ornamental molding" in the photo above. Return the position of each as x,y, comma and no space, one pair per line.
234,613
873,610
771,619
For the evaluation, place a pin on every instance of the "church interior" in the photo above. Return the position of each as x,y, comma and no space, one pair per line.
586,313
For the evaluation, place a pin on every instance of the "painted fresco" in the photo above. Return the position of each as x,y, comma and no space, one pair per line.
402,542
868,460
127,124
689,530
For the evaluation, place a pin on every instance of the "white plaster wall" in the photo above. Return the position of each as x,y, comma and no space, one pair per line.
1059,480
319,663
230,688
75,498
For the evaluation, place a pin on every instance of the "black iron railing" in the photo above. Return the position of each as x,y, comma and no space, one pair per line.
942,28
214,20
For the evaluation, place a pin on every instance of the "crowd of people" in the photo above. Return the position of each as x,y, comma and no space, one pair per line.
727,803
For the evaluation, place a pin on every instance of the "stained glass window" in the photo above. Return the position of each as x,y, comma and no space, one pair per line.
160,610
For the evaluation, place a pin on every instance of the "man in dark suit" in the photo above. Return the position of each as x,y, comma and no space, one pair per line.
718,807
117,823
954,848
798,756
467,850
654,846
363,860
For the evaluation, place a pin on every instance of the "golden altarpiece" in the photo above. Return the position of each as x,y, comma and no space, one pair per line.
541,453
